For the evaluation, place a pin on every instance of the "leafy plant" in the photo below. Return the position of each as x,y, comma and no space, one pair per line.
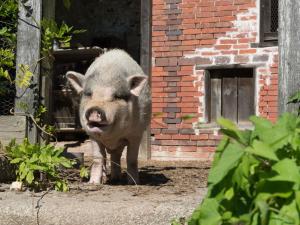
180,221
53,34
84,172
8,41
255,177
24,76
38,165
295,99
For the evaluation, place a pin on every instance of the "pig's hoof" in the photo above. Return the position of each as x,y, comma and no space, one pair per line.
103,179
95,181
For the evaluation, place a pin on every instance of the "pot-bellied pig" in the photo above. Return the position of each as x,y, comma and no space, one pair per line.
114,111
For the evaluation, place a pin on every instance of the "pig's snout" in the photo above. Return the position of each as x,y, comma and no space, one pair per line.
95,117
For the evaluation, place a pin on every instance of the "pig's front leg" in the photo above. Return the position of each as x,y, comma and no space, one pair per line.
132,160
98,171
116,164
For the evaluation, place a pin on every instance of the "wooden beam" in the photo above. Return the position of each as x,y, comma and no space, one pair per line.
145,57
46,86
28,53
12,127
289,53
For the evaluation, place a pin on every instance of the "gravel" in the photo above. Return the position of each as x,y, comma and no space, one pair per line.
169,190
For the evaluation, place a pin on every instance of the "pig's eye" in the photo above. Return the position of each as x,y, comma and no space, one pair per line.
87,93
121,97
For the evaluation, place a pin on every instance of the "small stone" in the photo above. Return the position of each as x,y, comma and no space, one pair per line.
16,186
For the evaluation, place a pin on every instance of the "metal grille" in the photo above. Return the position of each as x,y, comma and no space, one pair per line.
274,15
7,98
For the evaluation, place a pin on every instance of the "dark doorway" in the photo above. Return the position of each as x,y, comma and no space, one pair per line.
108,23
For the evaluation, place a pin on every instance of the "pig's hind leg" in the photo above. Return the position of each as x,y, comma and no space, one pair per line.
98,171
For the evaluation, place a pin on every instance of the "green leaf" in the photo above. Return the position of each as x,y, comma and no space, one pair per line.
221,147
264,211
66,163
67,3
207,213
16,160
231,130
61,185
29,177
270,189
287,170
263,150
229,159
84,172
290,213
280,134
38,167
242,174
3,30
24,76
229,194
295,98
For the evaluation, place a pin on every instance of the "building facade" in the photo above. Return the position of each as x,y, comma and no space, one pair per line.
210,58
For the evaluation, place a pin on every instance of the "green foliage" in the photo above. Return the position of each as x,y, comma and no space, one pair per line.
38,165
51,33
24,76
54,34
255,177
295,99
67,3
180,221
39,115
84,172
8,27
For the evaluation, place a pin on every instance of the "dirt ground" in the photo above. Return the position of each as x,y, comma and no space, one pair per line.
168,190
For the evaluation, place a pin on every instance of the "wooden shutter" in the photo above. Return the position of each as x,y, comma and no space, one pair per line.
245,96
231,94
216,96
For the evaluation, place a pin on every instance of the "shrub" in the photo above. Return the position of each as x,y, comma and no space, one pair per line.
255,177
8,40
38,165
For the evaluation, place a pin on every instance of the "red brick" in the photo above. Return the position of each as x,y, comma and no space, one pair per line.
180,137
228,41
191,31
223,47
163,137
246,40
247,51
190,42
188,148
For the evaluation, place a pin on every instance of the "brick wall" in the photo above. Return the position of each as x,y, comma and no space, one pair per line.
189,36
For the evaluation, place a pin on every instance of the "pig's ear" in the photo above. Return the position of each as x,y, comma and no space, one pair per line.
76,80
136,83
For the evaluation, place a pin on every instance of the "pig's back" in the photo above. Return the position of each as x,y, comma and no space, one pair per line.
115,60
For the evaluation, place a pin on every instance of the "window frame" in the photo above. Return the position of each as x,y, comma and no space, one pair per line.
236,74
266,38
